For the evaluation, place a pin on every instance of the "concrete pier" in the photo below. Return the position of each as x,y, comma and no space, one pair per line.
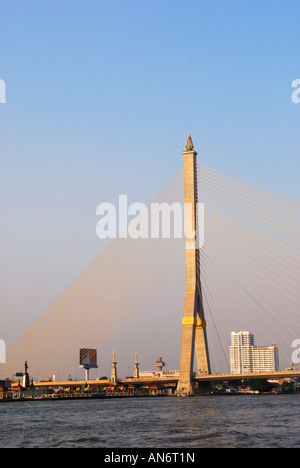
193,323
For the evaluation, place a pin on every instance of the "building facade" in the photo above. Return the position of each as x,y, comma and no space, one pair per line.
247,358
265,358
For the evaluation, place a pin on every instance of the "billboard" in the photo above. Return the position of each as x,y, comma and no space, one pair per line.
88,358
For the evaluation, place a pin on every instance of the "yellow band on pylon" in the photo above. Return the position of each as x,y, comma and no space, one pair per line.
193,321
189,321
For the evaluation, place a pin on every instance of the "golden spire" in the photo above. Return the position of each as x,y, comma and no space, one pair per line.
189,143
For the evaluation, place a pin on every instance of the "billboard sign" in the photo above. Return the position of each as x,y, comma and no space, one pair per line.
88,358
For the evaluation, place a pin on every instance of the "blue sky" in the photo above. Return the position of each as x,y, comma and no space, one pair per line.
101,96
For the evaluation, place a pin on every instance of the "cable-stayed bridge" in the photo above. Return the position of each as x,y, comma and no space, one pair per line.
246,276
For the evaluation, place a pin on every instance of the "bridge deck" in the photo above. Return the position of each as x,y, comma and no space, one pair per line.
258,375
174,380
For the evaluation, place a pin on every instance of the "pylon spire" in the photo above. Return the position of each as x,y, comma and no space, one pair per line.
189,143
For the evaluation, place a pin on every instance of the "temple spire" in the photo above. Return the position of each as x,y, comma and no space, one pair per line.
136,367
114,369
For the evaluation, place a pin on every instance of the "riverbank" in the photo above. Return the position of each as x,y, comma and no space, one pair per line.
55,397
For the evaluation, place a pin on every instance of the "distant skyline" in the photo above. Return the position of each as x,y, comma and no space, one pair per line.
99,99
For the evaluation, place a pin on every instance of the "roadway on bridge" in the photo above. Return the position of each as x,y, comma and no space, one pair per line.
174,380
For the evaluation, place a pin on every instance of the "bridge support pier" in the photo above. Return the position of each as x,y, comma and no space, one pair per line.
193,322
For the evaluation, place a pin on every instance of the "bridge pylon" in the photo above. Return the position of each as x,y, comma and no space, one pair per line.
194,336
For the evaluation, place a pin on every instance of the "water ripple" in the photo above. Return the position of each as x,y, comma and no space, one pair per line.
222,421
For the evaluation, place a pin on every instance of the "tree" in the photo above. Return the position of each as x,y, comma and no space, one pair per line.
262,385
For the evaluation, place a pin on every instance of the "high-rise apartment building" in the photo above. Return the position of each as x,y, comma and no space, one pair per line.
247,358
265,358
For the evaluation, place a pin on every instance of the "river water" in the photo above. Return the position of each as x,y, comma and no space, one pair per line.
169,422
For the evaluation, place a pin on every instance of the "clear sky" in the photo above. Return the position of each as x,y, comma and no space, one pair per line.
101,96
